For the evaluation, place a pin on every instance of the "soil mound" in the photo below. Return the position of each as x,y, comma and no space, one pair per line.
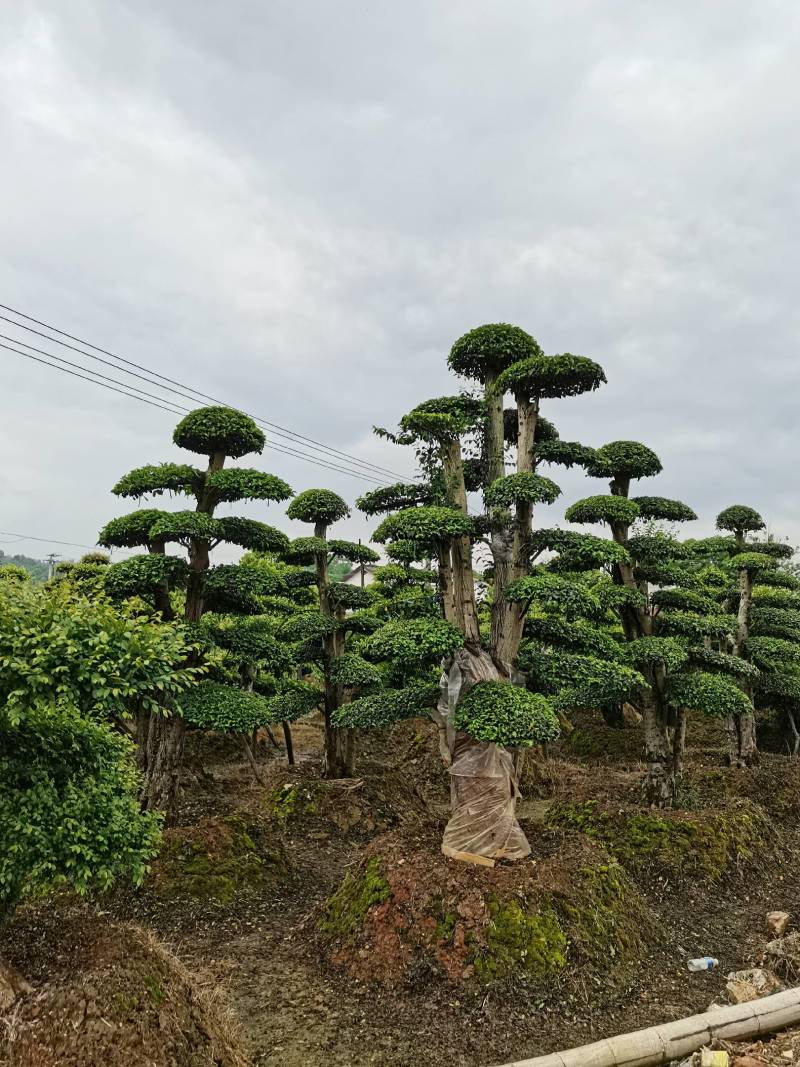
409,915
114,997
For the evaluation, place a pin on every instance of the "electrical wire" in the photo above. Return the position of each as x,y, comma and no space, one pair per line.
44,540
176,409
183,389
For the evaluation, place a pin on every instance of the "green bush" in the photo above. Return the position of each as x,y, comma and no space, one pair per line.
69,812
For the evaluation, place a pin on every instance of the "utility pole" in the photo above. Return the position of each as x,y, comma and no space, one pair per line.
51,561
362,566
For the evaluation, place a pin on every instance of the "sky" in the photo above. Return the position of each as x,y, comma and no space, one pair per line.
297,207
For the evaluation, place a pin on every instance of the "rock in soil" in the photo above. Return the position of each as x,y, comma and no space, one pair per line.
12,985
777,922
783,956
751,984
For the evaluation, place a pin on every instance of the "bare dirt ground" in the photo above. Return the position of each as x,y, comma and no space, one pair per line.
252,934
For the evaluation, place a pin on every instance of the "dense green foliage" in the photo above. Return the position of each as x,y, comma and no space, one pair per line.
60,648
596,509
212,430
506,715
490,349
36,568
552,376
69,812
524,488
624,459
318,506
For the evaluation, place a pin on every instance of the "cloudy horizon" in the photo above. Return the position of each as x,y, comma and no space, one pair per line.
298,208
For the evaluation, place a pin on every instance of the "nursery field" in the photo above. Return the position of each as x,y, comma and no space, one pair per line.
418,960
488,804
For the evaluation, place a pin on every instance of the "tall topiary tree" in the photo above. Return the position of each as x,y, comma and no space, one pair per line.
188,587
325,635
462,444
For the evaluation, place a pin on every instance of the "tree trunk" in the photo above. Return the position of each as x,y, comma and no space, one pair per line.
142,730
287,736
679,744
742,745
338,760
743,749
446,592
748,747
658,787
465,614
165,741
483,825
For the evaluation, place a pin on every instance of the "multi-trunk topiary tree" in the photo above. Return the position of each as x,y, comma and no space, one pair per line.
462,443
188,587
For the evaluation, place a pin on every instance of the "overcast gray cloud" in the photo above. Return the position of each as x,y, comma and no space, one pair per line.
298,207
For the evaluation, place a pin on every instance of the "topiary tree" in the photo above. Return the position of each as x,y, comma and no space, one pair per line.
321,636
670,617
461,443
189,587
766,607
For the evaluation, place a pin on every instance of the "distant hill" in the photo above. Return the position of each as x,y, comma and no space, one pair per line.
37,568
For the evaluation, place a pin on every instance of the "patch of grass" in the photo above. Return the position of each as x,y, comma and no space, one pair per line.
152,984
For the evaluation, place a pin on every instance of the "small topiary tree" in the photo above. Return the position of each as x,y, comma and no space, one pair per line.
321,636
766,609
669,618
190,587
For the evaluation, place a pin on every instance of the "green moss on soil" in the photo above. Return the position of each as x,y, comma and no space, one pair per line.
598,922
678,844
289,801
520,944
216,860
346,910
604,916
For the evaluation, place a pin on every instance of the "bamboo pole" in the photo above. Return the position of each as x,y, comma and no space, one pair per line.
676,1040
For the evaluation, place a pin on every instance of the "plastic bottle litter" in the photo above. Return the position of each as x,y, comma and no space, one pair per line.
705,963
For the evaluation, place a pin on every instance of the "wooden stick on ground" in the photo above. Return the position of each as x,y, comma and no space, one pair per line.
674,1041
251,759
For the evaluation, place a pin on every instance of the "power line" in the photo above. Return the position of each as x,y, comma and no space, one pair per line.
78,366
282,431
44,540
175,409
86,378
